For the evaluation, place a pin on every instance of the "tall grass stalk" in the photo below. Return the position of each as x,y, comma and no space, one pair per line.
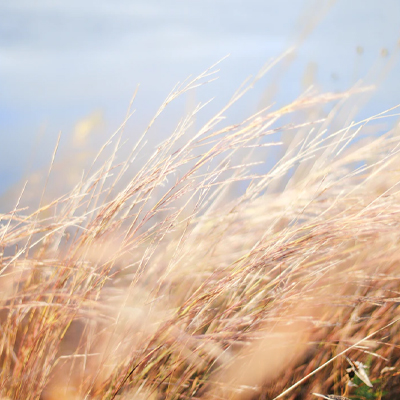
205,271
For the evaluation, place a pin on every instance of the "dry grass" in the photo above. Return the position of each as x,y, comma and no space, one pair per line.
198,277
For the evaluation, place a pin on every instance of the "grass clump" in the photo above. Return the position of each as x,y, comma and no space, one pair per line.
203,272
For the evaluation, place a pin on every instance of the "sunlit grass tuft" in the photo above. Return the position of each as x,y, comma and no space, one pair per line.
203,271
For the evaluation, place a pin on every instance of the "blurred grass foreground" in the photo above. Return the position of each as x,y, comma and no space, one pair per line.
255,260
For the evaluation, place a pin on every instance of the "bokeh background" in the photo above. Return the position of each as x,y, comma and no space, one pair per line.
73,66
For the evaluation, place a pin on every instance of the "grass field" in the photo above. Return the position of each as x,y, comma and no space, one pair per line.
206,271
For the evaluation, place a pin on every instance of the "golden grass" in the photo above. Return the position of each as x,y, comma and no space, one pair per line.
191,275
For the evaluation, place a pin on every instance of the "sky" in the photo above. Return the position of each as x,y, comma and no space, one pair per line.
62,61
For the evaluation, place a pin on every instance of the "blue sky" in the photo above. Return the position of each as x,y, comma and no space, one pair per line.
61,60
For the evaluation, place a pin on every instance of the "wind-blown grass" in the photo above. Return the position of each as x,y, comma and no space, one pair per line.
192,275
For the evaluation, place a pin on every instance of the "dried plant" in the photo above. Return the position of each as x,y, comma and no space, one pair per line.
206,272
